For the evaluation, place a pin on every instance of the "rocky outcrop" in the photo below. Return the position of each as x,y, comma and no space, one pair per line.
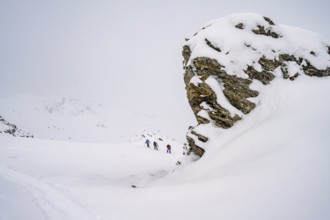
219,70
7,128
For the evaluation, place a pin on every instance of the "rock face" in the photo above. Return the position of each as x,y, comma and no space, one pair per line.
228,55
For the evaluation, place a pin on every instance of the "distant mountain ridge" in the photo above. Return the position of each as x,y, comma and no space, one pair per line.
69,106
73,119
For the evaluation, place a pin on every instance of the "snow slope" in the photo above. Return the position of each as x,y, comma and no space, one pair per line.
274,165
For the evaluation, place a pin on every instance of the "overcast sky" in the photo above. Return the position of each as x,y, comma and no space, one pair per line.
125,53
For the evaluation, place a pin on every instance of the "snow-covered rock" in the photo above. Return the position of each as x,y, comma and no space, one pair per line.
231,63
7,128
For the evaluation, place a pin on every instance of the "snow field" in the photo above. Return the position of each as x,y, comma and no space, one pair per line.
55,177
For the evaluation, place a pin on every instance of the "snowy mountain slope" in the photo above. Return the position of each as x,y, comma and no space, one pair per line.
62,118
274,167
273,164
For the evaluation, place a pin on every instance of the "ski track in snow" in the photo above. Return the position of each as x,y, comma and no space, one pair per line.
53,203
